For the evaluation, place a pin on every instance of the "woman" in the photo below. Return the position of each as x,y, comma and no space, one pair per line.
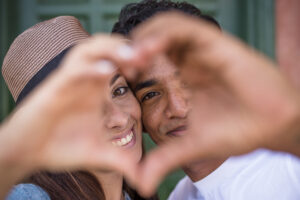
31,57
122,124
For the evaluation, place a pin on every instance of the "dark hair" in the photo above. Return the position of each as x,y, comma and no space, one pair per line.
68,185
134,13
75,186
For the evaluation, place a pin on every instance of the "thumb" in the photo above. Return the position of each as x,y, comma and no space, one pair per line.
160,161
114,159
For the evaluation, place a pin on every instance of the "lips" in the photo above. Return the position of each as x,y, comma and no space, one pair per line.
127,139
179,131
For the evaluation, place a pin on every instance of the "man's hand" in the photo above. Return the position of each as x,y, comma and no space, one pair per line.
240,100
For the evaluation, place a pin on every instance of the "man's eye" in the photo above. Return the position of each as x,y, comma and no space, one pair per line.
149,95
120,91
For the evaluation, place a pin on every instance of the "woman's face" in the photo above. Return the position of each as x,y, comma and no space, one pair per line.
123,117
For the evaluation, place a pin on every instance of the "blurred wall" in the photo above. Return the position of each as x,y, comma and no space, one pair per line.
8,30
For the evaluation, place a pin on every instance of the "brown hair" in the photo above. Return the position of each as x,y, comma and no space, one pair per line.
76,186
68,185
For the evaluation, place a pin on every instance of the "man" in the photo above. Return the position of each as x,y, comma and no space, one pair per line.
165,106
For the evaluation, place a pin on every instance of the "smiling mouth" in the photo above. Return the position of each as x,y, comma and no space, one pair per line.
179,131
125,140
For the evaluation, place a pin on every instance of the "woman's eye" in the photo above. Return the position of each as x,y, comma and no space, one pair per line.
120,91
149,95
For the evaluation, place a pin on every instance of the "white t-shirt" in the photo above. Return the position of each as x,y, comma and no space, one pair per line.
259,175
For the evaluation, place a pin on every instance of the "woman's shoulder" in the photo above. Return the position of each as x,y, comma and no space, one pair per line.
27,191
126,195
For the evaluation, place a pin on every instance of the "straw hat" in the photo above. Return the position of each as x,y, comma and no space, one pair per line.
37,51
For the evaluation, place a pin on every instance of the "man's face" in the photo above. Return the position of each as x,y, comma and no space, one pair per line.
163,101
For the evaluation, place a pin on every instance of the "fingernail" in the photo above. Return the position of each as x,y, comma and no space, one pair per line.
125,52
105,67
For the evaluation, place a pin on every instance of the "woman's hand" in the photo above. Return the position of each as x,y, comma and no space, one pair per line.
59,125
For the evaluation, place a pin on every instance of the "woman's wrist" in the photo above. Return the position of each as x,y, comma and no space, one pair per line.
11,168
16,142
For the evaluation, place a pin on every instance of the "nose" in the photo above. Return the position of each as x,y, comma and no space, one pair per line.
115,118
177,104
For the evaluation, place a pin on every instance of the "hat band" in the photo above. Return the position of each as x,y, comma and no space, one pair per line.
42,74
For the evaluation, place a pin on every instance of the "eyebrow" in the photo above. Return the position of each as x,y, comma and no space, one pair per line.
145,84
113,79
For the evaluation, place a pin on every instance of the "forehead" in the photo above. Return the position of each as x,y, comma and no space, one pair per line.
161,70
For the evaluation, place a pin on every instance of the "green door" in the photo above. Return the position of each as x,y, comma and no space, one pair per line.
251,20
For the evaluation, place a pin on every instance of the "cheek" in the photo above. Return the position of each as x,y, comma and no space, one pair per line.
151,119
136,109
153,114
133,108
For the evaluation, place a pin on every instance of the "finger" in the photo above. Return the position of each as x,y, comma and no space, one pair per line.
153,39
114,159
98,47
132,63
181,28
219,53
94,49
159,162
114,48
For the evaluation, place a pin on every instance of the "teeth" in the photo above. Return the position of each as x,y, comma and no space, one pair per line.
124,140
128,138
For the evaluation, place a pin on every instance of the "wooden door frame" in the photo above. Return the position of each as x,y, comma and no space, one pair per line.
9,30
